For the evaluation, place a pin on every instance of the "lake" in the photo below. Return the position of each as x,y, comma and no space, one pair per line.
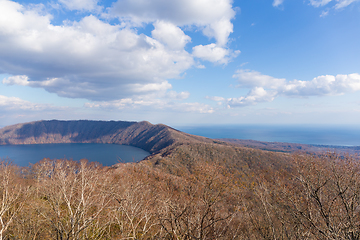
339,135
106,154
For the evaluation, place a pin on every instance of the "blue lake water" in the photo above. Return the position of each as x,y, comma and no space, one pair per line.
106,154
304,134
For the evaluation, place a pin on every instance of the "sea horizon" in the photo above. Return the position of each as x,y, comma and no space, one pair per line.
313,134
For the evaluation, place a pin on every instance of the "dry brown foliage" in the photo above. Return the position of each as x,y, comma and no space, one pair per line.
313,197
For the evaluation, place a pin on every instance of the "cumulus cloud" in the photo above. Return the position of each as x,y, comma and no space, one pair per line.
100,61
213,17
215,54
169,34
86,59
322,85
264,88
21,80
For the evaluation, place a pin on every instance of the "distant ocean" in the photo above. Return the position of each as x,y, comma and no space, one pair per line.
304,134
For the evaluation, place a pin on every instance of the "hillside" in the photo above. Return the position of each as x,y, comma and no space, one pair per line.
145,135
171,150
190,187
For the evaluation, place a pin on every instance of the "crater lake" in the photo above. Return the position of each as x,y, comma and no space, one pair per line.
106,154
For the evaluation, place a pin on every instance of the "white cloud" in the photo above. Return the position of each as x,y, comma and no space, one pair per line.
16,80
87,59
276,3
220,30
99,61
344,3
324,13
66,88
162,100
151,104
264,88
170,35
213,17
319,3
339,4
14,104
256,95
250,79
215,54
322,85
151,87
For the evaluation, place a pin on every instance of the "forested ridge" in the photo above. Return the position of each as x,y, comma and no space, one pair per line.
145,135
190,189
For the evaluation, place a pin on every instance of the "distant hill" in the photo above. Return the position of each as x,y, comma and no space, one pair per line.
171,150
292,147
144,135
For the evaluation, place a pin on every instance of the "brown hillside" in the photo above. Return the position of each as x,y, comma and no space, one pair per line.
144,135
172,150
189,188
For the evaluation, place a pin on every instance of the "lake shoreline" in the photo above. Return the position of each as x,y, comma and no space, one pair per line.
106,154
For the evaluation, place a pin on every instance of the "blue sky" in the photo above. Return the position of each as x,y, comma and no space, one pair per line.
181,62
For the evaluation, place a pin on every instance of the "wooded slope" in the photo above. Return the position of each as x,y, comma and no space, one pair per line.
144,135
189,188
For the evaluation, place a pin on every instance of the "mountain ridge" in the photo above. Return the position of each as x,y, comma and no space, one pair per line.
147,136
171,151
153,138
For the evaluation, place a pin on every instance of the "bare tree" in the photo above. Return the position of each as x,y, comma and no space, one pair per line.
199,209
322,198
73,197
134,204
12,195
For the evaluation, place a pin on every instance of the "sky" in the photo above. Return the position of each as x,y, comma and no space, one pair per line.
181,62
